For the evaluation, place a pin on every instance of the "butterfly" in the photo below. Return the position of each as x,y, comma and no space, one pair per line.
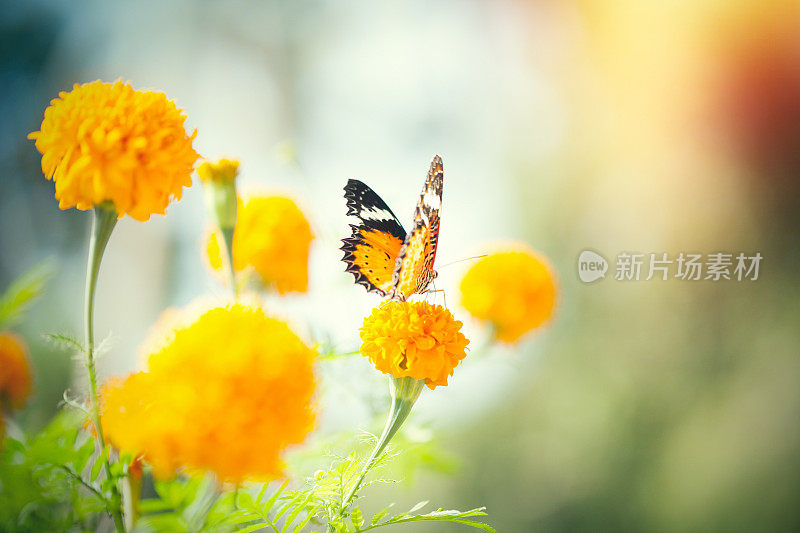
379,253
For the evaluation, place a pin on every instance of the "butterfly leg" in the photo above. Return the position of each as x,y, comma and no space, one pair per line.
444,294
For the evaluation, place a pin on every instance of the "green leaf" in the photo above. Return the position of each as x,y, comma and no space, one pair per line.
41,488
417,507
262,492
126,458
245,501
254,527
154,505
380,514
357,517
98,464
199,496
311,514
83,455
19,296
170,492
283,508
160,522
298,509
64,341
458,517
269,503
337,525
235,519
104,346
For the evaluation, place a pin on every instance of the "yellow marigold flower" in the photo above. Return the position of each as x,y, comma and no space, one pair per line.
224,170
15,370
227,392
108,142
272,237
514,290
414,339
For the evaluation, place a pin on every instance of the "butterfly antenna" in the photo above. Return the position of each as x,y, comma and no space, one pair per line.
461,261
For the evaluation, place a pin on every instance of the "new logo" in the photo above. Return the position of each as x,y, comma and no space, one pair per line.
591,266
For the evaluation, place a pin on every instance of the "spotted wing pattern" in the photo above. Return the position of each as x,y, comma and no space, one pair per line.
371,251
413,270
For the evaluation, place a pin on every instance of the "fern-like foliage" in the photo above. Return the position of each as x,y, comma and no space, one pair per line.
193,505
54,481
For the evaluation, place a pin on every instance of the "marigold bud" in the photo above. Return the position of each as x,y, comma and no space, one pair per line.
219,182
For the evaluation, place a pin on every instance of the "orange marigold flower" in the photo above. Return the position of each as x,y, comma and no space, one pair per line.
227,392
272,237
108,142
15,370
515,291
136,468
414,339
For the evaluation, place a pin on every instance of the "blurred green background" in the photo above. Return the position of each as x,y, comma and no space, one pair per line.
634,125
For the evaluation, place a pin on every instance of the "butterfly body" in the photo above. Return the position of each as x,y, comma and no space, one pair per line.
379,253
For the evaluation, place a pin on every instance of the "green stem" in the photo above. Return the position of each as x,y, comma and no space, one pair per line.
405,392
132,493
75,476
227,236
105,218
222,204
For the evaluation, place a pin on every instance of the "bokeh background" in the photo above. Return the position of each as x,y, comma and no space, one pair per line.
632,125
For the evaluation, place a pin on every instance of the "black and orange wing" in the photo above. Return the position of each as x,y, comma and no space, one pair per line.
413,270
371,251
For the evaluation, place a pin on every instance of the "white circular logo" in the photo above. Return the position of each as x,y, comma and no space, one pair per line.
591,266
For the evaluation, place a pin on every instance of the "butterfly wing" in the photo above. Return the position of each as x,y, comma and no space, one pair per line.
370,253
413,270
